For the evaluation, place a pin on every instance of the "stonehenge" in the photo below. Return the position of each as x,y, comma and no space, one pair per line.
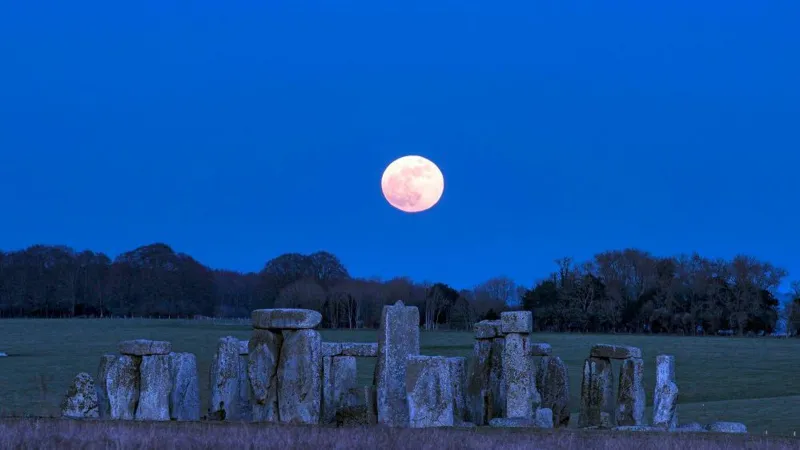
286,374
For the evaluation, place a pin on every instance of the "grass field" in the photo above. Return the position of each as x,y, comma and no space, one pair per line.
748,380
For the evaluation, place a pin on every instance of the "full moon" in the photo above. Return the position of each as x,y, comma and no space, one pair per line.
412,184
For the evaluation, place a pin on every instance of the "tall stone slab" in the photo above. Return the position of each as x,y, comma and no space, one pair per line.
665,398
104,409
122,385
430,393
398,338
497,386
244,407
458,381
225,383
300,377
478,385
155,387
519,375
184,398
262,370
630,395
597,388
339,381
552,380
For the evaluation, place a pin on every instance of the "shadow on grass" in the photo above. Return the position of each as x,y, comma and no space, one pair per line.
72,434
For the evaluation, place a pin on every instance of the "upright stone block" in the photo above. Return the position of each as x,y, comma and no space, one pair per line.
225,383
497,386
519,375
245,406
122,385
184,398
398,338
156,386
552,380
300,377
478,383
516,322
262,370
630,395
104,409
665,399
81,400
458,380
597,388
430,392
339,379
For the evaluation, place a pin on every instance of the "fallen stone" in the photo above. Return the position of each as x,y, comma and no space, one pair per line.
81,400
285,319
497,386
224,382
597,388
243,347
458,381
122,385
184,398
339,377
552,380
727,427
300,377
487,329
144,347
331,349
513,422
155,387
630,395
430,392
398,338
262,371
362,350
540,349
691,427
104,408
615,351
519,375
544,418
516,322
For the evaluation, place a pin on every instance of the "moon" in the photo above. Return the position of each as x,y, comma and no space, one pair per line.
412,184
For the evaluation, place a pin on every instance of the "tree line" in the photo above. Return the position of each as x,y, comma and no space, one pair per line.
616,291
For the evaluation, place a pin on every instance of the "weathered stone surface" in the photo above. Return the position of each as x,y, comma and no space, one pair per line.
693,427
285,319
104,409
544,418
244,347
636,428
540,349
331,349
487,329
665,398
398,338
552,381
184,398
597,387
615,351
122,385
519,376
339,377
516,322
81,400
262,370
430,392
245,406
497,387
360,349
727,427
300,377
513,422
478,383
155,387
144,347
630,395
458,380
225,381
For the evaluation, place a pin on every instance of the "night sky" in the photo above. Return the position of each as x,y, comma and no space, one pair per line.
237,131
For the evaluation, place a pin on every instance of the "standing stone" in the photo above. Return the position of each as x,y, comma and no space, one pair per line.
81,400
122,385
597,388
398,338
458,380
630,395
339,379
665,398
104,408
497,386
262,370
552,380
430,393
225,380
155,387
243,398
478,384
519,375
300,377
184,398
544,418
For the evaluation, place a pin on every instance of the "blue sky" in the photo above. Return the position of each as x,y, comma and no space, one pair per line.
237,131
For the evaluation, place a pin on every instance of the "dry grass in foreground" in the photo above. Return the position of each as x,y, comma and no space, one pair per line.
69,434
